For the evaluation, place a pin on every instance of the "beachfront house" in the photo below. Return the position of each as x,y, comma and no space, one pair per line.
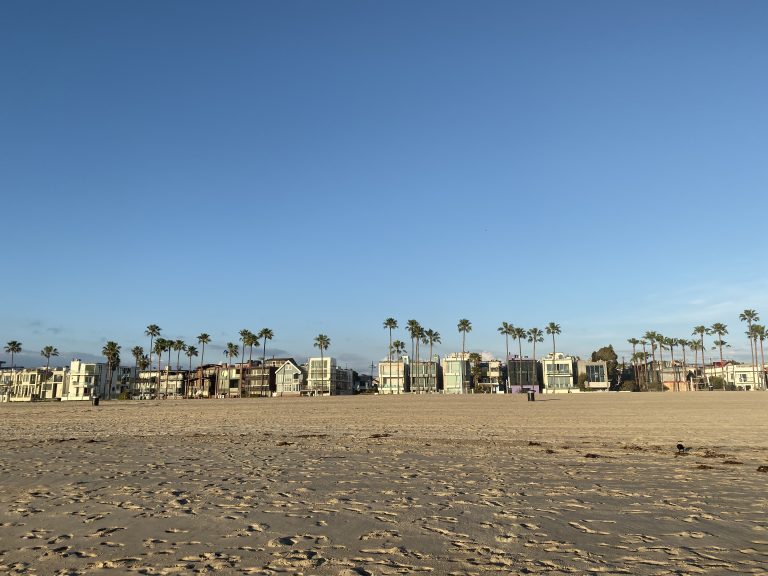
739,376
596,373
325,378
425,375
456,373
522,375
558,373
394,375
290,379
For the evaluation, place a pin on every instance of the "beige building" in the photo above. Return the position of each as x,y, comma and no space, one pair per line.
456,373
394,376
559,373
325,378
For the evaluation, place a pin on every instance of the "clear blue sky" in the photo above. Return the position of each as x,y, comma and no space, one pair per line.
319,166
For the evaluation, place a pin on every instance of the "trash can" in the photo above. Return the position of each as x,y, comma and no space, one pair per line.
531,395
95,400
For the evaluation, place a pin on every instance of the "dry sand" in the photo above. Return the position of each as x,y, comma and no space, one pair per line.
582,483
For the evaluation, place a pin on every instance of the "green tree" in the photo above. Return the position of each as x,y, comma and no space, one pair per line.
398,347
413,328
138,353
431,337
463,326
761,332
178,346
13,347
750,317
634,342
153,331
506,330
231,351
111,352
653,339
203,339
245,335
553,329
190,352
264,335
161,345
390,324
323,342
47,352
719,329
475,369
535,335
519,334
700,332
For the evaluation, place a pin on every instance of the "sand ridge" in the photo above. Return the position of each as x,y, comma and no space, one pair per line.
584,484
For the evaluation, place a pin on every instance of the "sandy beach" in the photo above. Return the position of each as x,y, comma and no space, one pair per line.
569,484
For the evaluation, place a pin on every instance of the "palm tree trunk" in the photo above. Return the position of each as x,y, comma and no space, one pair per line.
535,369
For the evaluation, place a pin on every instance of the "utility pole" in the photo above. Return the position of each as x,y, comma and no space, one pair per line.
371,384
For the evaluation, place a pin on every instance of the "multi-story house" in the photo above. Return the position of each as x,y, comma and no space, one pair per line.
28,384
558,373
522,374
425,375
290,379
741,376
90,379
457,378
259,380
394,375
325,378
596,373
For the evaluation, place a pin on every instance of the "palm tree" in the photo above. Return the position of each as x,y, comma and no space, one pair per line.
138,353
251,340
535,335
111,351
720,330
519,334
190,352
390,324
413,327
153,331
264,335
671,343
661,345
431,337
653,339
322,342
244,337
232,351
203,339
761,332
398,347
464,326
13,347
634,342
683,343
701,331
419,337
751,316
506,330
47,352
475,368
644,343
178,346
161,345
553,329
